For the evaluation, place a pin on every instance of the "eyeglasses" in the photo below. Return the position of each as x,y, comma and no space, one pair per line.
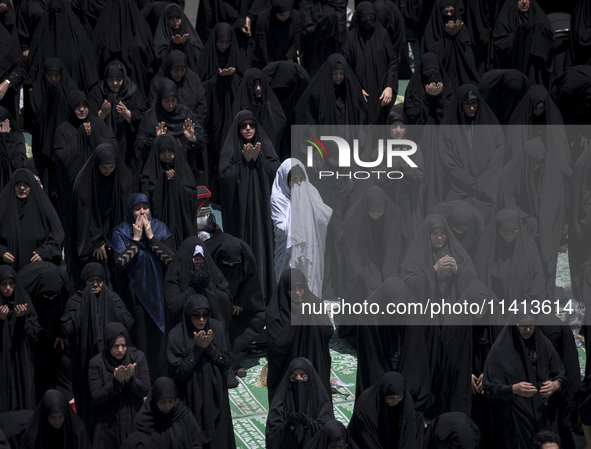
296,377
119,346
244,125
198,316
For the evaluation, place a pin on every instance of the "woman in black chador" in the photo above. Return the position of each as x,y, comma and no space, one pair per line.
119,103
119,380
13,154
18,330
55,424
30,229
166,420
169,184
85,316
198,357
248,163
299,409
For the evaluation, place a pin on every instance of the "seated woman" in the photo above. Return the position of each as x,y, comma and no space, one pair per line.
299,409
166,420
30,228
141,248
13,154
19,329
169,184
300,223
119,380
384,417
86,314
198,358
55,424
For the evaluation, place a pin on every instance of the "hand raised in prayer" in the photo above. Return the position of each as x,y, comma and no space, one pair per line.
3,312
446,262
5,126
365,95
138,229
228,71
7,257
179,40
36,257
203,339
3,89
477,385
386,96
129,371
105,110
247,151
189,130
3,7
169,174
434,89
100,253
119,373
452,28
161,129
256,150
60,341
524,389
87,128
246,28
123,112
148,228
549,388
236,310
20,310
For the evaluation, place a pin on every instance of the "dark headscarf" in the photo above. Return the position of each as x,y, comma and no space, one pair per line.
454,430
211,59
503,89
111,333
13,153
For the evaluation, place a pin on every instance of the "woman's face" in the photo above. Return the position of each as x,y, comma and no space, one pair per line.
526,330
299,374
509,234
178,73
53,77
165,405
398,129
119,348
22,189
141,209
115,83
338,76
7,287
56,420
376,214
107,169
167,156
539,109
174,22
297,294
283,16
199,318
393,400
223,45
247,129
95,283
470,108
81,110
523,5
438,238
169,103
296,178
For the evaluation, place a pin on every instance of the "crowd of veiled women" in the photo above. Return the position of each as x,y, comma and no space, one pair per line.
108,295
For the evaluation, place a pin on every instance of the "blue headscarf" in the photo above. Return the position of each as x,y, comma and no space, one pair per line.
146,272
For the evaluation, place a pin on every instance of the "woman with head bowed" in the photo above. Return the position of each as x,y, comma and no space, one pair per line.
299,409
278,33
198,357
166,420
13,154
503,89
385,417
99,203
333,435
453,429
119,379
141,249
18,329
248,163
85,316
30,228
55,424
120,104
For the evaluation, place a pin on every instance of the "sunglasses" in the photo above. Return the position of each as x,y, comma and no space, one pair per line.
252,125
198,316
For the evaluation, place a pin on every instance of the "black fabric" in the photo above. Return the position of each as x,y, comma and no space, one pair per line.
455,52
532,185
299,408
472,152
267,110
121,33
276,40
177,428
16,348
13,154
332,432
245,190
245,289
374,60
324,25
116,404
524,42
163,44
84,320
324,103
200,374
516,419
503,89
173,201
212,59
452,429
132,98
581,32
59,34
212,12
375,425
382,348
286,341
41,434
29,226
99,203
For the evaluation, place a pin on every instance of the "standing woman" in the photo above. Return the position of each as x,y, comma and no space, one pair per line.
18,330
119,379
278,33
30,229
248,163
199,357
13,154
141,248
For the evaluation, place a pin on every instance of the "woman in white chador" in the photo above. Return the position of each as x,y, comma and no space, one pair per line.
300,221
